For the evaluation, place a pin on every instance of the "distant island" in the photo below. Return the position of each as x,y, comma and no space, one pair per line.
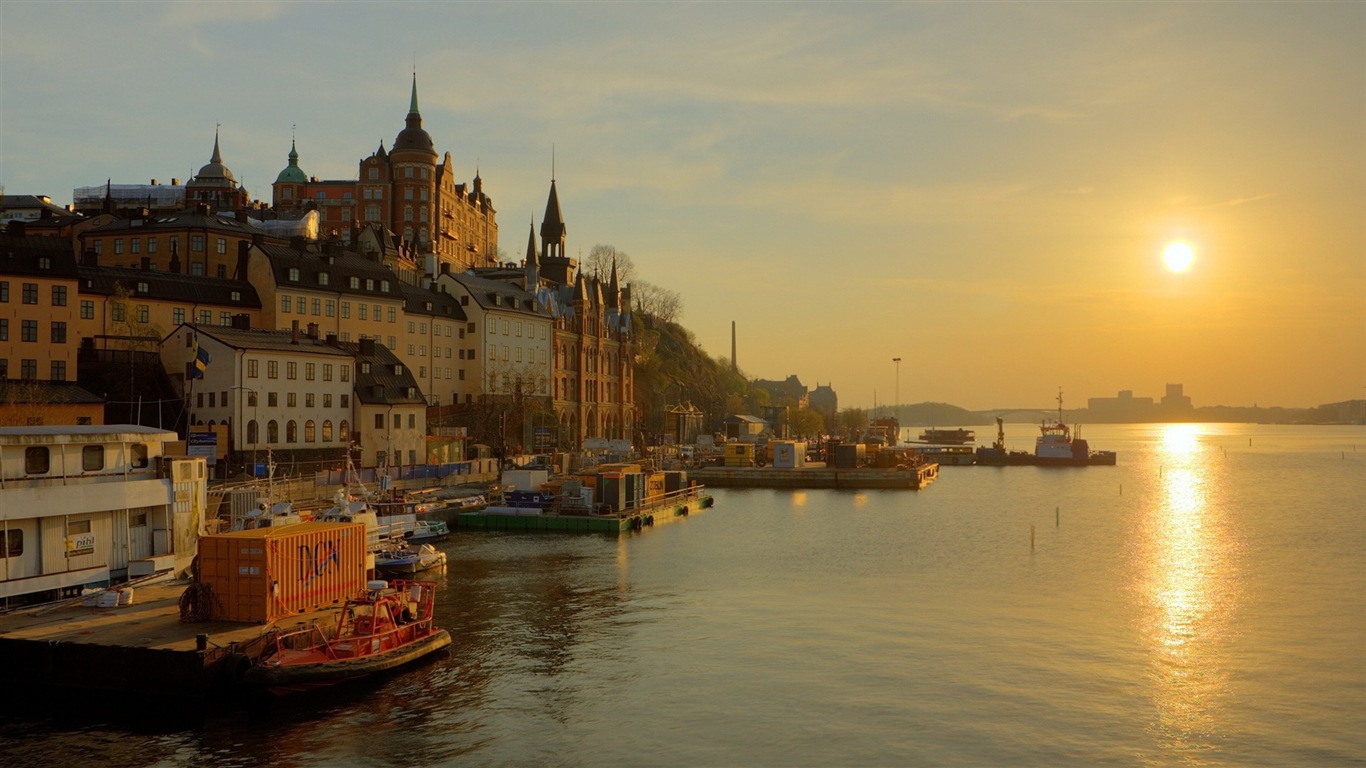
946,415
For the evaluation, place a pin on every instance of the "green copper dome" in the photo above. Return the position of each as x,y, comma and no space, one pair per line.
292,174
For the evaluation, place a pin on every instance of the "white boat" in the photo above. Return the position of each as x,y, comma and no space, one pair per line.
402,559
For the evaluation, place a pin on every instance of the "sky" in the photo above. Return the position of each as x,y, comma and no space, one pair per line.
982,190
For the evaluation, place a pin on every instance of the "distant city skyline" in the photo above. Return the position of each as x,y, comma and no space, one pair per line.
986,191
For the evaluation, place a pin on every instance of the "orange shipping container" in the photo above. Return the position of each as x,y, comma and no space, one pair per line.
267,574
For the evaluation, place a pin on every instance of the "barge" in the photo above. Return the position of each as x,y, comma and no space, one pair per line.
902,478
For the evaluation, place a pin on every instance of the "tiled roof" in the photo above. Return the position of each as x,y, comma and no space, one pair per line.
425,301
279,341
170,286
339,266
38,255
51,392
383,362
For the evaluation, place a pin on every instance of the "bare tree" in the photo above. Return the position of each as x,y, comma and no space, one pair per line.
650,299
600,260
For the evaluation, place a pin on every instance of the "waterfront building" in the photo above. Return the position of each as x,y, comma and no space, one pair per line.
390,411
81,505
790,391
405,190
38,289
289,390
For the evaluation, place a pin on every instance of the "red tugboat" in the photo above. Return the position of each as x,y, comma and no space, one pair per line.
388,625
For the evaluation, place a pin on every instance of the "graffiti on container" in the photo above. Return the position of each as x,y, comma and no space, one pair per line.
314,561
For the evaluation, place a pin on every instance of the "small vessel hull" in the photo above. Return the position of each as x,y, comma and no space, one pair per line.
298,677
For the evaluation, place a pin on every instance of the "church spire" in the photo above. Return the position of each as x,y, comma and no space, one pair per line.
553,231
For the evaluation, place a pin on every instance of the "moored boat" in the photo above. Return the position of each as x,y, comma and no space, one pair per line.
402,558
947,436
390,624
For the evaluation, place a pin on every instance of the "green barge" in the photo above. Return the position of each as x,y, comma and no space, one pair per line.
569,520
903,478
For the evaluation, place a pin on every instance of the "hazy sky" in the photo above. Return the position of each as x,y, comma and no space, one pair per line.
984,190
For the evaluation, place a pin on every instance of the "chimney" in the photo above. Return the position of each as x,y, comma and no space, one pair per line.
241,322
298,242
367,347
154,182
175,262
243,253
331,339
146,263
294,333
16,228
175,182
313,331
242,216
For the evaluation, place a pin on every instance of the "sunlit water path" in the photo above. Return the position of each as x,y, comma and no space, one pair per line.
1199,604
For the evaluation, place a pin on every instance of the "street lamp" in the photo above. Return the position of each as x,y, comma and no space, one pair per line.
255,404
897,360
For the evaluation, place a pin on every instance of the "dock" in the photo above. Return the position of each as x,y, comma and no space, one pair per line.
904,478
140,650
613,523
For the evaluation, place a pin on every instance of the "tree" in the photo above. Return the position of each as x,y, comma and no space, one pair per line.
807,423
854,419
650,299
602,257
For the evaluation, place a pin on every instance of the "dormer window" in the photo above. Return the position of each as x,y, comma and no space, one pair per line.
293,275
427,305
369,284
322,278
384,286
44,262
398,369
364,367
236,295
142,288
411,393
355,283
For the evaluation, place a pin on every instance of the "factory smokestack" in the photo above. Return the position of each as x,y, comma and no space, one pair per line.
734,367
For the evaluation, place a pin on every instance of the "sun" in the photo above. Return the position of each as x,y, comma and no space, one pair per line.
1178,257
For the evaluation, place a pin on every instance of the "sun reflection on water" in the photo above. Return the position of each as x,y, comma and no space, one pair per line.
1188,583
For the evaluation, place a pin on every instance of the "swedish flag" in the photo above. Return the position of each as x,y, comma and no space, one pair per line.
201,360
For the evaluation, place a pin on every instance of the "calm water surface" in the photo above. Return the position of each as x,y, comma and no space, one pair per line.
1199,604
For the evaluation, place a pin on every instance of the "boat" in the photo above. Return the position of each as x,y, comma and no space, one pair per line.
953,455
427,530
1055,446
937,436
404,559
388,625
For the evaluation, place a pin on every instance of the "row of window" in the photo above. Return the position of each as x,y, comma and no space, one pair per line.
38,458
292,431
272,399
135,244
28,330
292,370
28,369
514,328
533,355
29,293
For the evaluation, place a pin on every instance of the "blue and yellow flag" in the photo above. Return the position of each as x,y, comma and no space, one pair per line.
201,360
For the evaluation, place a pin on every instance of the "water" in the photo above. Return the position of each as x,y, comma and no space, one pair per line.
1199,604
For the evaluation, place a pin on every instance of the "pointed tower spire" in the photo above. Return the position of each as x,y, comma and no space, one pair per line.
613,291
532,265
412,104
217,157
553,230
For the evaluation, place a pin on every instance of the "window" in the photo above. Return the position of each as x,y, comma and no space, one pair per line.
59,295
4,291
327,399
327,371
151,245
225,318
14,543
345,375
196,243
364,312
118,245
412,421
272,369
273,399
92,458
292,275
29,330
58,370
138,455
251,398
310,431
327,429
398,421
205,317
222,245
345,402
330,308
291,370
346,310
272,430
286,304
308,399
292,431
28,369
221,270
196,268
309,369
379,421
392,319
30,293
253,369
177,315
253,432
144,313
291,399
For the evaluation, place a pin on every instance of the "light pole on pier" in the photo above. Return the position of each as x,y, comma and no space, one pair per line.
897,360
255,403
